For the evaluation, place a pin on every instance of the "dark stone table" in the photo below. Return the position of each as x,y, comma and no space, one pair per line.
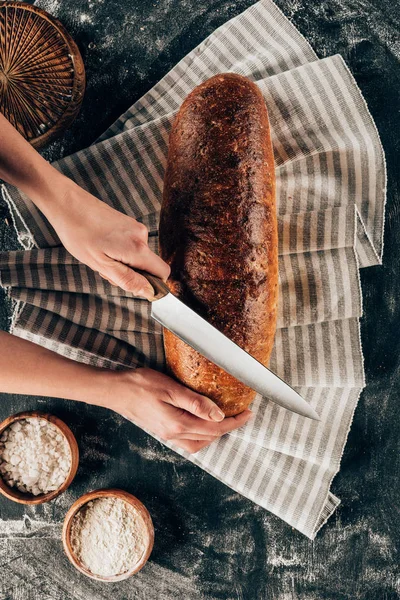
210,542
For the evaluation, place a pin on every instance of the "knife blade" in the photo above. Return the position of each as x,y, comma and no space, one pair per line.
190,327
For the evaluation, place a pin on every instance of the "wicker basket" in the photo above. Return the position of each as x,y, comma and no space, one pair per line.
42,76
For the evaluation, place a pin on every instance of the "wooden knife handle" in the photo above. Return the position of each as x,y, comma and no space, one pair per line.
160,287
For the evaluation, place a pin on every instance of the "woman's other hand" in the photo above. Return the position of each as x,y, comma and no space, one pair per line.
173,412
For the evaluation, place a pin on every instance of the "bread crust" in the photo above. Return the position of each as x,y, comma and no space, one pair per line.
218,229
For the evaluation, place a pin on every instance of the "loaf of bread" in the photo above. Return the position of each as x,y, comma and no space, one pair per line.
218,230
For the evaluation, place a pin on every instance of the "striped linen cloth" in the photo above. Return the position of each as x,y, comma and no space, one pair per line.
331,183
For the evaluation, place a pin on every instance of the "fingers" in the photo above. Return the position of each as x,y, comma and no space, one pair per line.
126,278
192,446
197,436
196,404
140,231
165,406
137,254
149,261
190,425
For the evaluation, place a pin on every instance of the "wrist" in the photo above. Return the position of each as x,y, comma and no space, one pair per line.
86,383
110,388
50,191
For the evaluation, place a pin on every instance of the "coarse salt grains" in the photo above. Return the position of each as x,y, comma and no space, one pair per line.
35,456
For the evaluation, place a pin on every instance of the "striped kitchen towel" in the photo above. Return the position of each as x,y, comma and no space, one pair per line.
331,184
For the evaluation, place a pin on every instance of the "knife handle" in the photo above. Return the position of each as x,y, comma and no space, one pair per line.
160,287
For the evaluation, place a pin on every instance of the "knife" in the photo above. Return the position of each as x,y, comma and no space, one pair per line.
186,324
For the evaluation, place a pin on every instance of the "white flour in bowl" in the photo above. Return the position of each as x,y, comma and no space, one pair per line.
35,456
108,536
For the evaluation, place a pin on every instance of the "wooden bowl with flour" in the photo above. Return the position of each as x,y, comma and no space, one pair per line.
108,535
62,429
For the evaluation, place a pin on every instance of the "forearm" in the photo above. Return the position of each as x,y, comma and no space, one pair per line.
148,398
27,368
21,165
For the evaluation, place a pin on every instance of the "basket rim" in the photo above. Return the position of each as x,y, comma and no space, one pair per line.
79,77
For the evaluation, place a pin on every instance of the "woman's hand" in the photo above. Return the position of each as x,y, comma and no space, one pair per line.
150,399
102,238
161,405
105,240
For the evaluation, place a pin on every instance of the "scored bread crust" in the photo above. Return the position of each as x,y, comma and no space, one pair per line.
218,230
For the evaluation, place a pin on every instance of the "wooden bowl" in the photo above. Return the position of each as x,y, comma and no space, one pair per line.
26,498
148,531
42,75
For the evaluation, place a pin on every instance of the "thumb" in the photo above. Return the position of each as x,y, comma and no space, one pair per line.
126,278
196,404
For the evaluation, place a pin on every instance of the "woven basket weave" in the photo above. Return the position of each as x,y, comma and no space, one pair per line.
42,75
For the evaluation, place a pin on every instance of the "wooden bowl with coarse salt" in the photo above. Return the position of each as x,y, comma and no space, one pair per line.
107,530
61,434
